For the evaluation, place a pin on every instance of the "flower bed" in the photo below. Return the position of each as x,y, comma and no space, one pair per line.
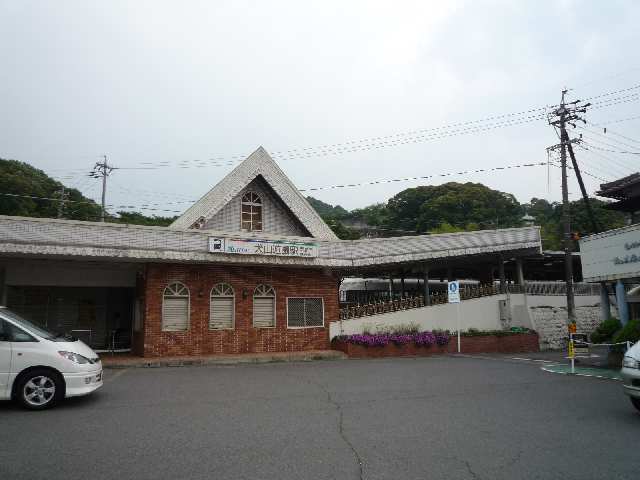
429,343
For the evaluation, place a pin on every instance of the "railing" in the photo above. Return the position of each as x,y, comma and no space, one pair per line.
406,303
554,288
376,307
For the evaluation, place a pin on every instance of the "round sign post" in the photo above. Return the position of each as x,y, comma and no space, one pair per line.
453,290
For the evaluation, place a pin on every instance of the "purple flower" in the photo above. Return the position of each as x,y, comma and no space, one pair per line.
424,338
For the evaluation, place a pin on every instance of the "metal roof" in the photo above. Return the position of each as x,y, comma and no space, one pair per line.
52,238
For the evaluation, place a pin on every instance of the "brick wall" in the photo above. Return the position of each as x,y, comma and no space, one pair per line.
200,340
517,343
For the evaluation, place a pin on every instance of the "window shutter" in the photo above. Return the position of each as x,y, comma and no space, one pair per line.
221,313
313,312
295,312
175,313
263,312
305,312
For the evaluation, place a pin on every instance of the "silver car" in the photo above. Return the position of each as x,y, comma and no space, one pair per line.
631,374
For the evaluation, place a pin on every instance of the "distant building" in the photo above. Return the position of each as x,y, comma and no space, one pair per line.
626,192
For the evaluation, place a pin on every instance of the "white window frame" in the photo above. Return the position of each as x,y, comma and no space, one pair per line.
253,313
188,296
313,326
233,299
252,204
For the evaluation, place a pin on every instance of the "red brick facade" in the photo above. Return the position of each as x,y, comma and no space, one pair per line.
200,340
517,343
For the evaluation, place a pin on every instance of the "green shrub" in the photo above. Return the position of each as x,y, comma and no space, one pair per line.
629,333
606,330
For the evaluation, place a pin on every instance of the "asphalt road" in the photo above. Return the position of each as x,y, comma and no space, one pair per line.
426,418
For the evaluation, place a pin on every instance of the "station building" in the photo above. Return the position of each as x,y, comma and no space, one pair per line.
612,258
250,267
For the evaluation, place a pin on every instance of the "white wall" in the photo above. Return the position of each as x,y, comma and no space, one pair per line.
481,313
484,314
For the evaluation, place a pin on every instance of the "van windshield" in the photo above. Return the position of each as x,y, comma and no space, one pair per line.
32,327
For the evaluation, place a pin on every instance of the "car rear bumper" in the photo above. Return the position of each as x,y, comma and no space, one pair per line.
631,378
78,384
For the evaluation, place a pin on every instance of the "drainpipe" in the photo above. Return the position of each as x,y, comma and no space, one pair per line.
605,307
427,297
621,300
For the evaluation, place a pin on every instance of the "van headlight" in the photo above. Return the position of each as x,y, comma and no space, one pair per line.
75,357
630,362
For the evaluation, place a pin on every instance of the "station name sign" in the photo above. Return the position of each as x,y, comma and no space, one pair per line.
277,248
632,258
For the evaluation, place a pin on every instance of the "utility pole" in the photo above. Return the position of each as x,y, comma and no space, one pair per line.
102,169
567,113
63,198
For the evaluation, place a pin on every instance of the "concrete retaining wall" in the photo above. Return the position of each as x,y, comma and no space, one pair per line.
546,314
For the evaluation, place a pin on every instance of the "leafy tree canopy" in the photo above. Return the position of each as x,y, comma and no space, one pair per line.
461,205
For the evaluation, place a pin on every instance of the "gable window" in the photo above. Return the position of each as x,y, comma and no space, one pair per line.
221,307
305,312
175,308
251,212
264,306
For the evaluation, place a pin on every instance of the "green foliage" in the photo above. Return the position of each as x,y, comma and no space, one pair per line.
137,218
342,232
474,332
326,210
20,178
549,217
629,333
606,330
463,206
376,214
400,329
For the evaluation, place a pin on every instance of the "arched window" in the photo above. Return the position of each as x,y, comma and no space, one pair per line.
175,307
221,307
264,306
251,212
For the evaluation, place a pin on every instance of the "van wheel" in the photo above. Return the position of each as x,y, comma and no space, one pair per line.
636,402
39,389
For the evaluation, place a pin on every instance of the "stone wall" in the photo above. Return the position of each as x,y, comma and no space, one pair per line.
551,324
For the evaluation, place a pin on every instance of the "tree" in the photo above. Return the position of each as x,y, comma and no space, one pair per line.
462,205
24,181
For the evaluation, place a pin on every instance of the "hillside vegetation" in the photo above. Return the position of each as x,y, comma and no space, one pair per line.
450,207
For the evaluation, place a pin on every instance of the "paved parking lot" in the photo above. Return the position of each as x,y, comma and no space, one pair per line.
417,418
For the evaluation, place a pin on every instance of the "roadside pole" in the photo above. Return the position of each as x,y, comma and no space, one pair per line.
453,291
458,324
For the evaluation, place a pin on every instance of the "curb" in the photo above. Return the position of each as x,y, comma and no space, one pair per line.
549,368
200,362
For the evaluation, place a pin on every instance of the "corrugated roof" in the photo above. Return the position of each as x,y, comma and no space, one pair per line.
39,237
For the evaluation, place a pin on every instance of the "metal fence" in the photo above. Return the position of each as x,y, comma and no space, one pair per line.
376,307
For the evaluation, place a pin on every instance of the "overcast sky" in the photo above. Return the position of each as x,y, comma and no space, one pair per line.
168,82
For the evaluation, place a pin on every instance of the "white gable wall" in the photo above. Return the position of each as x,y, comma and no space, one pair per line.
276,219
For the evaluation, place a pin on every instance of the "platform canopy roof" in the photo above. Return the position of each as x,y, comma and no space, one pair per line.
52,238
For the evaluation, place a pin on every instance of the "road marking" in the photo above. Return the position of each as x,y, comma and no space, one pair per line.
111,378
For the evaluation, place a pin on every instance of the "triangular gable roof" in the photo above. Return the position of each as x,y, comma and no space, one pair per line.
259,163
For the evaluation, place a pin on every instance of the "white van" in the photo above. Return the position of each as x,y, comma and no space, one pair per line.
631,374
38,367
